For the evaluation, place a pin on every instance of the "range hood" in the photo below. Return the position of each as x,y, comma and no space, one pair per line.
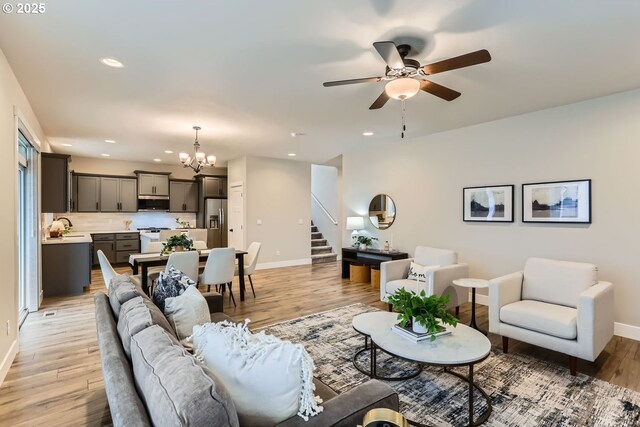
153,203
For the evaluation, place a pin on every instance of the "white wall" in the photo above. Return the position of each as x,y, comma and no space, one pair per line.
11,97
325,186
122,167
597,139
278,193
237,173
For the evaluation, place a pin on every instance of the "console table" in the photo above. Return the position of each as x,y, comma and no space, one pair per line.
371,257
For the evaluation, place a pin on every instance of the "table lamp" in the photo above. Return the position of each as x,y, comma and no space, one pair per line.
355,223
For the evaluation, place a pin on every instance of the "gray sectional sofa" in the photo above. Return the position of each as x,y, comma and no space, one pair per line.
142,401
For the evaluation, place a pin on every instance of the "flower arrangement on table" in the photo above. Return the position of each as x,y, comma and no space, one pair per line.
177,243
365,241
429,312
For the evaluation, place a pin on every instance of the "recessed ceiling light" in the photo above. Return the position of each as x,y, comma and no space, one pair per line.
294,134
168,151
368,133
105,155
66,145
112,62
110,141
157,160
291,154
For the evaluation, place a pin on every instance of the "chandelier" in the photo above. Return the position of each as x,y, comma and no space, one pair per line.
200,159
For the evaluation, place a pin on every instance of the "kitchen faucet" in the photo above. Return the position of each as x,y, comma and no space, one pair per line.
69,224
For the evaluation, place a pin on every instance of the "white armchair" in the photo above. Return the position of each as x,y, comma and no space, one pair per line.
558,305
393,275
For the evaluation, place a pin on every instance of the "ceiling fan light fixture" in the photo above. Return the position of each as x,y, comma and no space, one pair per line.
402,88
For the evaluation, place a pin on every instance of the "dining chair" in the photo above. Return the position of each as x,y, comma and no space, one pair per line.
199,245
154,247
165,234
219,269
198,234
108,271
187,262
251,259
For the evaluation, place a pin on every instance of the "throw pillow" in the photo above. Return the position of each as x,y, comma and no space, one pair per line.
420,272
186,311
175,388
171,283
121,289
269,380
136,315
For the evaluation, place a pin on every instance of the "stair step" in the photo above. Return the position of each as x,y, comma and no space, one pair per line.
316,235
322,258
318,242
314,228
320,250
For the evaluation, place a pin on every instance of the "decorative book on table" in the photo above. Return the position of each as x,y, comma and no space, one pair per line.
407,332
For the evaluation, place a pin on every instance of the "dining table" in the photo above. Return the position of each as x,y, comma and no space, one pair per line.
140,264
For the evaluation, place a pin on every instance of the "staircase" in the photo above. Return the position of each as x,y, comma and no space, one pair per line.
320,251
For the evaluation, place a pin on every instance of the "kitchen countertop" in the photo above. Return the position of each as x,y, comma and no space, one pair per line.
70,238
107,231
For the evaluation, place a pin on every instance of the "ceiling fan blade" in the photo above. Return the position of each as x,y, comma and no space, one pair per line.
439,90
352,81
379,103
390,54
473,58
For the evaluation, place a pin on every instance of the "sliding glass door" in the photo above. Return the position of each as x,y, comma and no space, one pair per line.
27,217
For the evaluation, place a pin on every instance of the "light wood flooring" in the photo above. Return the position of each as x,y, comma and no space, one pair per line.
56,379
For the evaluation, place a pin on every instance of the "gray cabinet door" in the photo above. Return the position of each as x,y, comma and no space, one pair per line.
128,195
223,187
146,184
176,196
161,183
109,192
211,187
55,183
88,194
191,196
109,249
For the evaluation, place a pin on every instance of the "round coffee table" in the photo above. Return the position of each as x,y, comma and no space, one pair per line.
364,324
465,346
473,284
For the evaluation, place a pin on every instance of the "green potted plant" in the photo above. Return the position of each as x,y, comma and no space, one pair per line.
177,243
425,314
364,241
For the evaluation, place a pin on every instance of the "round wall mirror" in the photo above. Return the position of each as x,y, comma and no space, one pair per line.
382,211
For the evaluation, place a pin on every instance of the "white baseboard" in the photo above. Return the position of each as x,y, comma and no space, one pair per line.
280,264
8,360
619,329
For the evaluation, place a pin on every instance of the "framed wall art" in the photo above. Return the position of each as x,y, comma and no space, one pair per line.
566,202
488,204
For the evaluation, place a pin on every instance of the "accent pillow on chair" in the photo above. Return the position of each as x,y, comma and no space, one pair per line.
420,272
186,311
269,380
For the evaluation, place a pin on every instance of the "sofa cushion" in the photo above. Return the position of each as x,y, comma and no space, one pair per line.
186,311
269,380
557,282
408,284
177,390
121,289
549,319
432,256
137,314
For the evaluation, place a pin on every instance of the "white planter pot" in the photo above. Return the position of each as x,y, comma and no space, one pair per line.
363,247
418,328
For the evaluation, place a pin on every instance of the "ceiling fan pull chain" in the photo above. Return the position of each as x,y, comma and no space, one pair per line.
404,127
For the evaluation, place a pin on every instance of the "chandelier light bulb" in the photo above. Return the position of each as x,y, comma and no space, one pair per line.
402,88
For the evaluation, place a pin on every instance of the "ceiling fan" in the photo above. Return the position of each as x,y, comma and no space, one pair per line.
405,77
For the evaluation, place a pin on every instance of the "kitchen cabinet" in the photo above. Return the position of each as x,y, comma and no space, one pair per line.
214,187
118,194
116,246
152,184
183,196
87,193
55,197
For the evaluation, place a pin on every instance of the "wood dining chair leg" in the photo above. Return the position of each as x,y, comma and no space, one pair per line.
208,288
251,283
231,296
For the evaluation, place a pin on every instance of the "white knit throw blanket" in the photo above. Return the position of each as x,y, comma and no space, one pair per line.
241,342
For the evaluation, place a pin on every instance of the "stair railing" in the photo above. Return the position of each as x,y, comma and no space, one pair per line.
333,220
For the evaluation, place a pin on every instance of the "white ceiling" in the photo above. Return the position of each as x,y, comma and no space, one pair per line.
251,71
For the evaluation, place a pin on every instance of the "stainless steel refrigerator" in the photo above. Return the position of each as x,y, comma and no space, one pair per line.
215,221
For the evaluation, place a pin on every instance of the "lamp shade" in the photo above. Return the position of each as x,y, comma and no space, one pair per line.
57,225
402,88
355,223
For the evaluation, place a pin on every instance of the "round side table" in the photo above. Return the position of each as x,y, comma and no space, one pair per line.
473,284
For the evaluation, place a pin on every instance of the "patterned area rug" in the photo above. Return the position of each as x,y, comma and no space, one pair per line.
524,391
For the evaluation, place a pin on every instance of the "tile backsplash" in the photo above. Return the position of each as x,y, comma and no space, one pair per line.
115,221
